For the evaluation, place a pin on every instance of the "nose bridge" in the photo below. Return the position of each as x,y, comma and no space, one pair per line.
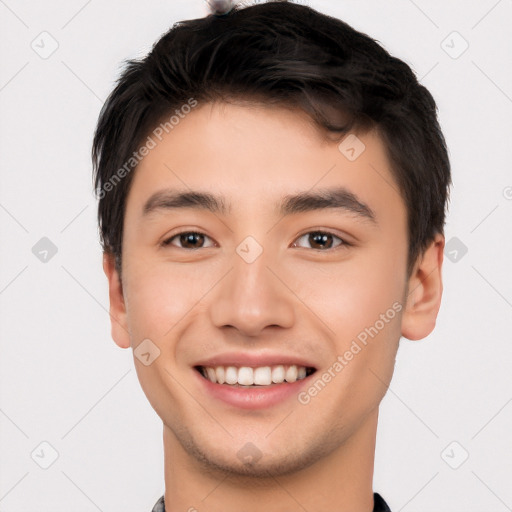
250,297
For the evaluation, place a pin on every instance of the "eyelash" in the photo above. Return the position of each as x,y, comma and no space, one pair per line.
344,243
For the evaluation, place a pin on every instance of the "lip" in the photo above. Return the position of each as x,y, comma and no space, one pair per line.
260,397
254,360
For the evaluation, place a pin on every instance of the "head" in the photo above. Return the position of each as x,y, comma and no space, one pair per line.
272,183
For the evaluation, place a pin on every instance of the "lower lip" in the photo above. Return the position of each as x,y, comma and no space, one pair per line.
259,397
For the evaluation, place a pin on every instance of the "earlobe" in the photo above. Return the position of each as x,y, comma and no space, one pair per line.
117,311
424,291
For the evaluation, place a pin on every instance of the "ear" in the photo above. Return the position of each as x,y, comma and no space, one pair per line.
118,322
424,291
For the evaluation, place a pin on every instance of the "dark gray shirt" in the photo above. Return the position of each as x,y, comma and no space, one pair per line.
379,504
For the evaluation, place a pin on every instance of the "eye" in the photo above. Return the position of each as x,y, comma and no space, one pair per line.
321,240
195,240
188,240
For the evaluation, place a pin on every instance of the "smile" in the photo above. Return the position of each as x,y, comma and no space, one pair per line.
246,376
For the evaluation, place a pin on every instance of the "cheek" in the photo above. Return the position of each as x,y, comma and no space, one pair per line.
157,298
350,296
361,306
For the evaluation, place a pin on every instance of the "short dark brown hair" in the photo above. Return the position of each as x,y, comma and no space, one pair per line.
277,53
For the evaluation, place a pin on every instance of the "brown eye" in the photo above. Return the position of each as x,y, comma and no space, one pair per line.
321,240
187,240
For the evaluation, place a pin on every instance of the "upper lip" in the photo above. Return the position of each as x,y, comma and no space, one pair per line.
255,360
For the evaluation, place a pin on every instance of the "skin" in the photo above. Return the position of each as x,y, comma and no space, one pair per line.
302,299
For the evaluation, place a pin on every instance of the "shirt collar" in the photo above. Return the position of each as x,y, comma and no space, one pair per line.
379,505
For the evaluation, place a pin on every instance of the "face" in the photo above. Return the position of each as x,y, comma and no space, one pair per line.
293,267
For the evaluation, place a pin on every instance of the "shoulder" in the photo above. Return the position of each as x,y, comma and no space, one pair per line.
159,506
379,505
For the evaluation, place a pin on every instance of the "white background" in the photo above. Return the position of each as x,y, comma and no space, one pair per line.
64,381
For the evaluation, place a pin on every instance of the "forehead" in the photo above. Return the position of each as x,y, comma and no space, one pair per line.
252,156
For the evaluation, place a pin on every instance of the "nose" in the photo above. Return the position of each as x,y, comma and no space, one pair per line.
252,297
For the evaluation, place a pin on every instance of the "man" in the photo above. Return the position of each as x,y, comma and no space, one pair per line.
272,188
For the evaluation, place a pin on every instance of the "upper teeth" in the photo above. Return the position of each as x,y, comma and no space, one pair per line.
247,376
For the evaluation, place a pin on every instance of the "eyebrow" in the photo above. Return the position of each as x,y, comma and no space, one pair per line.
332,198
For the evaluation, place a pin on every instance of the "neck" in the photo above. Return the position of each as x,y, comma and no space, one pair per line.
341,481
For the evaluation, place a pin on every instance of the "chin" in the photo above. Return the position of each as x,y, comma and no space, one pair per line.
251,463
